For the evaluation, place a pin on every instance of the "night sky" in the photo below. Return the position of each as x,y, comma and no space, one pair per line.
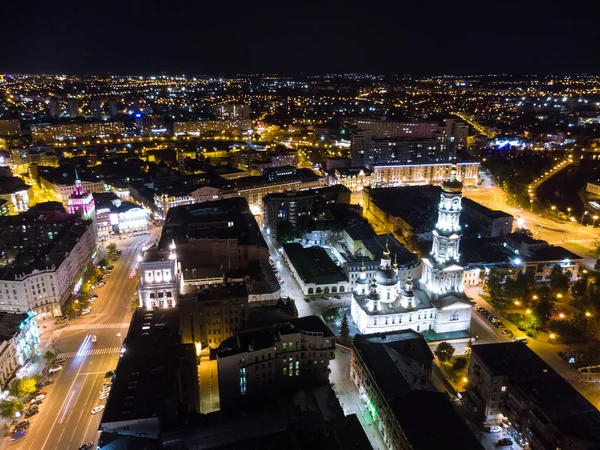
221,37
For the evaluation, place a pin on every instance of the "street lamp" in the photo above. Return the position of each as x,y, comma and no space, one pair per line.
585,213
595,217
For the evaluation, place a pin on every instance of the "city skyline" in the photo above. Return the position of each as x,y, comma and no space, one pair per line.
531,37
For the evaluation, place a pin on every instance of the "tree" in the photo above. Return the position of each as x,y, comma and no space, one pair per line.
559,279
8,408
22,387
459,364
112,250
444,351
542,309
494,283
285,232
49,357
345,329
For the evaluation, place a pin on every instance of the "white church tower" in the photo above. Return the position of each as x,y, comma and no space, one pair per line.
442,272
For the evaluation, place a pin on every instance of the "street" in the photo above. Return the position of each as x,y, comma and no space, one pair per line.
542,228
65,421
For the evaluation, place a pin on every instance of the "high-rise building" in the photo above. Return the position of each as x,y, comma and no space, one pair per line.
113,108
96,107
10,127
457,132
159,279
227,111
72,107
54,107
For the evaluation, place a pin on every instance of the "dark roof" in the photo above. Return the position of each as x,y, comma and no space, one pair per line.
264,337
553,253
513,359
467,204
10,324
151,368
430,422
572,414
9,185
416,205
313,264
210,221
388,355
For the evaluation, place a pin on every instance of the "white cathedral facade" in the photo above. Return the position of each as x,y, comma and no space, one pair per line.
383,305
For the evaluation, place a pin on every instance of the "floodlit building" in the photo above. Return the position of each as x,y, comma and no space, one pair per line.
42,276
388,175
19,338
383,304
73,131
160,278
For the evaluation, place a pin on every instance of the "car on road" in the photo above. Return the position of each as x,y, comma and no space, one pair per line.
22,425
111,267
504,442
101,284
54,369
18,435
493,429
92,300
97,409
37,402
86,446
104,396
31,412
39,397
109,374
85,311
505,331
337,296
59,360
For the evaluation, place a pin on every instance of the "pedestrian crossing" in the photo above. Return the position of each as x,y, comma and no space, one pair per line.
95,352
96,326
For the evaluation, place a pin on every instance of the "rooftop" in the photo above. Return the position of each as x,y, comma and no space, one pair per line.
491,213
265,337
442,429
221,219
151,370
313,264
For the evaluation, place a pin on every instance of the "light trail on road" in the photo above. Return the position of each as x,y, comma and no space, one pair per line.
67,406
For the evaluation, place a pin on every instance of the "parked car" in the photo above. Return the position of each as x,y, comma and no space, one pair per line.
493,429
59,360
504,442
37,402
86,446
97,409
39,397
18,435
111,267
31,412
54,369
85,311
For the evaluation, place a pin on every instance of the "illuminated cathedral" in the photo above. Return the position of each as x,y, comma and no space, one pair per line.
439,303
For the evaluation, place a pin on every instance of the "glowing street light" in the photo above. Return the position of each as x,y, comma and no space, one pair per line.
535,297
517,302
528,311
588,314
552,336
561,315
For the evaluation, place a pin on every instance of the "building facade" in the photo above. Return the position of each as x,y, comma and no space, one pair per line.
160,280
19,338
419,174
264,361
73,131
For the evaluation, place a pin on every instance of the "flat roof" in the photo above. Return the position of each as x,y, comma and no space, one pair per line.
313,264
147,374
221,219
264,337
430,422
